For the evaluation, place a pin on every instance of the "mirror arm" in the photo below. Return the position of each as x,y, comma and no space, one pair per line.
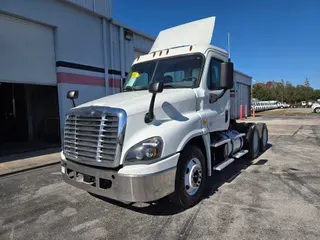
219,96
150,115
73,103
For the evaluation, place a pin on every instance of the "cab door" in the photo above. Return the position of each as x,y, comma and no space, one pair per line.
217,100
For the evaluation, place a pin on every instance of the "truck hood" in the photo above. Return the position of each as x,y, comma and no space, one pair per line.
135,102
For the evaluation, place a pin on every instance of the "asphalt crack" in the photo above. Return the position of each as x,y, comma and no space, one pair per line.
185,230
164,225
297,131
303,183
297,191
313,128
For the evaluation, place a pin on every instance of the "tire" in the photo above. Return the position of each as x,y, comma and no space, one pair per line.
263,136
317,110
252,143
186,196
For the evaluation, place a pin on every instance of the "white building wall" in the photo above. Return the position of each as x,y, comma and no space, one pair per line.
26,52
141,44
101,7
129,49
79,46
78,34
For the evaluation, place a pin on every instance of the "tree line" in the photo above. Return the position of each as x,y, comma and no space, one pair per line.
285,92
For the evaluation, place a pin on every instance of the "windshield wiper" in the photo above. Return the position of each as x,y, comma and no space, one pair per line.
169,86
176,86
130,88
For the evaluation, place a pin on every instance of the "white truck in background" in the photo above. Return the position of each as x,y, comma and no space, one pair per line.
167,131
316,106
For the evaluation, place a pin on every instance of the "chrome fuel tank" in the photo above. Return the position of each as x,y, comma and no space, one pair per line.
234,145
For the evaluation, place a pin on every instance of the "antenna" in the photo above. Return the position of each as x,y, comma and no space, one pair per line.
229,55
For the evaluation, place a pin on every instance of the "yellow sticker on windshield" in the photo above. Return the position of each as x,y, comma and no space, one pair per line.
135,75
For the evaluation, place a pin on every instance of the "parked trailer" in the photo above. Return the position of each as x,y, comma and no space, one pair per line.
240,95
265,105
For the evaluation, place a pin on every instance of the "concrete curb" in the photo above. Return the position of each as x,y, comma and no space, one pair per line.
27,169
28,163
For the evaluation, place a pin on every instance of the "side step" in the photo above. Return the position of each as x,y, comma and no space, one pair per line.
240,154
240,135
217,144
223,164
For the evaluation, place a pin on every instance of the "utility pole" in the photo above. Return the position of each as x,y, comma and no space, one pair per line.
282,83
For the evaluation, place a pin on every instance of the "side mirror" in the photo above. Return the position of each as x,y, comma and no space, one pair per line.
73,94
226,77
156,87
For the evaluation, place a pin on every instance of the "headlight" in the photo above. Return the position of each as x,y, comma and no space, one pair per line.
149,149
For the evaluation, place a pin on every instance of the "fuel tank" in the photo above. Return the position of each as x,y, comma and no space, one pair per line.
233,146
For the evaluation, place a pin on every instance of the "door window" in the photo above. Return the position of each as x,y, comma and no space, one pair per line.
214,74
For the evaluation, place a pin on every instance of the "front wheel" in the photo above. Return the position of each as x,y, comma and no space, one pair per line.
191,176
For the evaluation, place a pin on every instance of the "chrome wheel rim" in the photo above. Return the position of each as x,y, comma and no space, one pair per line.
264,137
318,110
193,176
255,142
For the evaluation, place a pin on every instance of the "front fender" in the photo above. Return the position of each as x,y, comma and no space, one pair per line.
175,133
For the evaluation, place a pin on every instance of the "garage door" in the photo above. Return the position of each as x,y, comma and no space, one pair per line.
26,52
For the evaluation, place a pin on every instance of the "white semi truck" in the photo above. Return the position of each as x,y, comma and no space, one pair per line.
167,131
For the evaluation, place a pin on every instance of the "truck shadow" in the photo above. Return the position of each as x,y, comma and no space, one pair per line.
164,207
229,174
172,113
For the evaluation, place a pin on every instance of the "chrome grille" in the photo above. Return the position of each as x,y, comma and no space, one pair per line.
91,138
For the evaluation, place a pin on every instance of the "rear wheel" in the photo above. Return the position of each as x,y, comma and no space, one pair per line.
252,142
190,177
263,136
317,110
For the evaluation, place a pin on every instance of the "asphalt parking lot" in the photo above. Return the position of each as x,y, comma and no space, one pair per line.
277,196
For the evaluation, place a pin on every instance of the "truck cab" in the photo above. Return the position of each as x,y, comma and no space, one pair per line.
169,128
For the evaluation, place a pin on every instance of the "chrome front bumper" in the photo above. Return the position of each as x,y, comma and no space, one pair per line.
110,184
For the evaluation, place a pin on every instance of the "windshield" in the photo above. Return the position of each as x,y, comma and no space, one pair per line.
175,72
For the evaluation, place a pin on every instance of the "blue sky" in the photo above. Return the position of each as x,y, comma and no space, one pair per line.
270,39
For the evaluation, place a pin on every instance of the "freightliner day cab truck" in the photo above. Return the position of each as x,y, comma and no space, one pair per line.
167,130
